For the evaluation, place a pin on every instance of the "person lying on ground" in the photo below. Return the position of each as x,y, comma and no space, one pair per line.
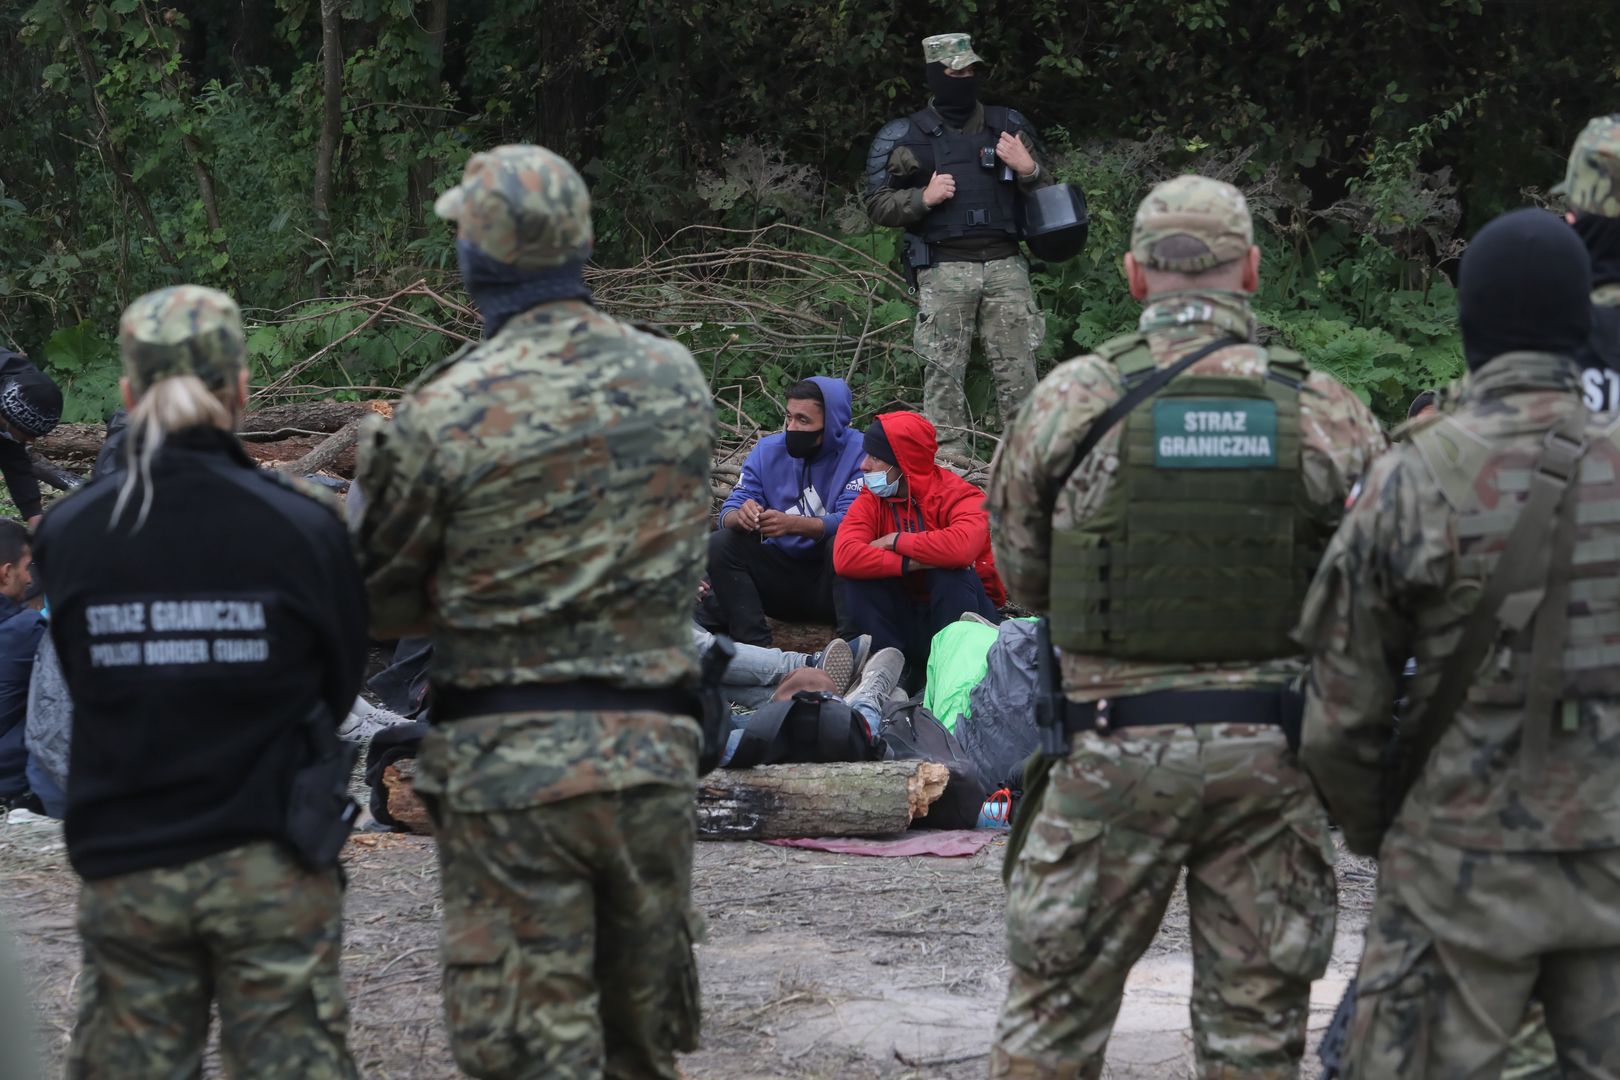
771,552
878,680
913,554
20,631
755,673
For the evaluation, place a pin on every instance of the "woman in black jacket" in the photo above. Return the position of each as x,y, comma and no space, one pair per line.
210,621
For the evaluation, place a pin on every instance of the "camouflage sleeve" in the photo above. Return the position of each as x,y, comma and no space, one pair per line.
399,534
898,206
1024,486
1355,628
1342,438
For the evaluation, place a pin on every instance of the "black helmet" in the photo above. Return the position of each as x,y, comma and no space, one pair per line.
1053,221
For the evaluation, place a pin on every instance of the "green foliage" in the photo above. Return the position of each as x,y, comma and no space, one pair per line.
1372,138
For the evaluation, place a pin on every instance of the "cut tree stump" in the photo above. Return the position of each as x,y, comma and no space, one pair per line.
778,802
404,805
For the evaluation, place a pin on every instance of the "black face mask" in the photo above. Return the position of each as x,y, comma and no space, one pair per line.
803,444
954,96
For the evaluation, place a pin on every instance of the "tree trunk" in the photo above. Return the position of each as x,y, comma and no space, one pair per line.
177,86
404,804
115,157
328,452
774,802
419,179
324,417
331,130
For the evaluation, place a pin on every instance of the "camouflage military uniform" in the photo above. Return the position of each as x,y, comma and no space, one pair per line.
1123,813
540,503
247,928
974,281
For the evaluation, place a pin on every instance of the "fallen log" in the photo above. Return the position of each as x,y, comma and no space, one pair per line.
404,804
776,802
336,447
322,417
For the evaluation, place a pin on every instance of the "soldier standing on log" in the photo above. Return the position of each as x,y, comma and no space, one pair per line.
539,507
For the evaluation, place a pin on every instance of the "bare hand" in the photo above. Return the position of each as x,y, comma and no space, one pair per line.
746,517
886,543
774,523
941,186
1012,151
704,589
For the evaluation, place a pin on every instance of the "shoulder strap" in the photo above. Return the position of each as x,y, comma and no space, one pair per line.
1516,591
996,118
928,121
1133,397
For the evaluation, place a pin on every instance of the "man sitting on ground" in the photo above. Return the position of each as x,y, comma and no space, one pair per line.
772,551
20,631
913,553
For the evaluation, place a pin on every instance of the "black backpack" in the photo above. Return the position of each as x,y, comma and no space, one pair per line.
911,732
813,727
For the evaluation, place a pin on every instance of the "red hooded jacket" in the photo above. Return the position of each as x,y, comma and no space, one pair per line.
941,519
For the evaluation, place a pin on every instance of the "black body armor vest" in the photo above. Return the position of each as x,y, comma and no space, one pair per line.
984,203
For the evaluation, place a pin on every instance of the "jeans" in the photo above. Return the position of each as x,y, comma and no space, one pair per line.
752,676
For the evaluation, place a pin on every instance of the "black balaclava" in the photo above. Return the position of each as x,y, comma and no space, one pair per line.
1525,285
954,97
1601,235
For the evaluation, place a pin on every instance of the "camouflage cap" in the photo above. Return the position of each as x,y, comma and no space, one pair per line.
1592,181
1191,224
521,205
182,330
955,51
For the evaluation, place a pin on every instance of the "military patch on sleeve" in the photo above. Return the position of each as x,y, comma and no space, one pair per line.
1214,433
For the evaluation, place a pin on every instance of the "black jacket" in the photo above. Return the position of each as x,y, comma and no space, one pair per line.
195,647
14,465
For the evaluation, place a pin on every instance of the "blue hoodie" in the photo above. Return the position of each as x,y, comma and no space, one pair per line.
823,486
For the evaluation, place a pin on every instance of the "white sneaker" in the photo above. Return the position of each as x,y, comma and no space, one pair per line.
365,720
881,675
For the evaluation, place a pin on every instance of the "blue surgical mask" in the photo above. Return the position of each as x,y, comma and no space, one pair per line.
878,482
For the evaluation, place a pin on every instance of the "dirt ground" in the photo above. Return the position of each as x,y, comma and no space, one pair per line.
816,965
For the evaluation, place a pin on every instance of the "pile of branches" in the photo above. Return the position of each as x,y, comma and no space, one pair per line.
743,301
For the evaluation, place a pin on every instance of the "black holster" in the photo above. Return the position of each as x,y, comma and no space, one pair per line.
320,813
918,256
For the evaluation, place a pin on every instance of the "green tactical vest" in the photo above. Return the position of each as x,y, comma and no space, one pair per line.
1206,543
1484,483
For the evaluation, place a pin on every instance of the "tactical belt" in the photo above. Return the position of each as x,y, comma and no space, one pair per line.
581,695
1283,708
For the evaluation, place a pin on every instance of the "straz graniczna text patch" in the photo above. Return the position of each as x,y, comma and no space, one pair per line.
1212,433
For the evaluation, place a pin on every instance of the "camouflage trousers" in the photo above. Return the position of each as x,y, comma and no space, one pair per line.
568,936
248,928
1458,943
951,298
1120,818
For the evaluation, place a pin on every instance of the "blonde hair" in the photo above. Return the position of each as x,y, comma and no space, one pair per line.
167,406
